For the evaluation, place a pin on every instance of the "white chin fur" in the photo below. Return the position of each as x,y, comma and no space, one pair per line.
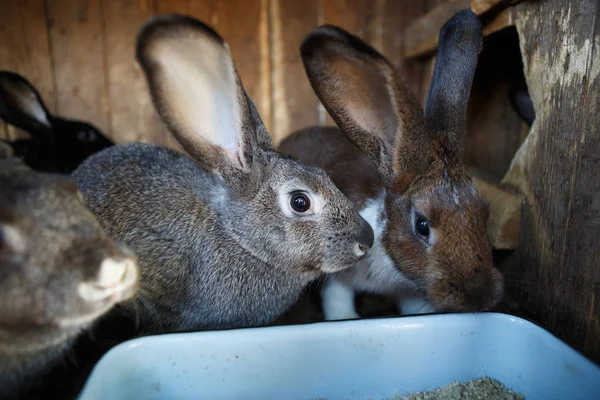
374,273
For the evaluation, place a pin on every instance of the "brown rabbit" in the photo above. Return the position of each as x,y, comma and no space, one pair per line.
404,170
58,272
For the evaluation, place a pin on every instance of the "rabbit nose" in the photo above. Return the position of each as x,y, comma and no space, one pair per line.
365,239
116,277
111,272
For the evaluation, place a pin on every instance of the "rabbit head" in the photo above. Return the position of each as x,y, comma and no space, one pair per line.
56,144
286,212
58,270
436,219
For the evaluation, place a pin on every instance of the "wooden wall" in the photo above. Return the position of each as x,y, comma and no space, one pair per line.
80,54
555,272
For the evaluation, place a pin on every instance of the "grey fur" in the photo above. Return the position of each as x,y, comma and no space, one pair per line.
50,244
215,245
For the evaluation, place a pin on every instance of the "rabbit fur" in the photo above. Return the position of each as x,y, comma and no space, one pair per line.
59,272
218,242
404,171
56,144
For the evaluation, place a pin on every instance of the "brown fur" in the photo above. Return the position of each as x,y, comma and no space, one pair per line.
416,157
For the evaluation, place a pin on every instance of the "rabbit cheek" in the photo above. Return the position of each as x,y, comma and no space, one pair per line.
409,255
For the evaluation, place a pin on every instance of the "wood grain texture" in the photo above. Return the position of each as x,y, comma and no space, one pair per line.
556,169
78,54
480,7
493,126
422,33
294,102
505,213
25,49
396,14
359,17
132,117
244,25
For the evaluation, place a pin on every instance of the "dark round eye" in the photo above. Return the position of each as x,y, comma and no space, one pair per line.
422,227
300,202
86,136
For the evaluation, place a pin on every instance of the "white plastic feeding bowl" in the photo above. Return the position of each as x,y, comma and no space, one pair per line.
363,359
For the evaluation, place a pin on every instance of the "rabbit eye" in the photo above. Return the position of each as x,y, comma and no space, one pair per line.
86,136
422,227
300,202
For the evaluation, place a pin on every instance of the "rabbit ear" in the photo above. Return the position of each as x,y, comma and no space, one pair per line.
522,104
197,92
361,91
22,106
446,104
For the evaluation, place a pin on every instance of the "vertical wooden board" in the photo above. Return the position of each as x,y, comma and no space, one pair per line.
78,57
359,17
396,16
556,169
244,25
24,49
295,104
172,6
133,118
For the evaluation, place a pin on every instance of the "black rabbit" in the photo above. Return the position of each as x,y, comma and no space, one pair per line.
56,144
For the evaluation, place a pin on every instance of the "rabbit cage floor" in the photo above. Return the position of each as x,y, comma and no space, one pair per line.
483,388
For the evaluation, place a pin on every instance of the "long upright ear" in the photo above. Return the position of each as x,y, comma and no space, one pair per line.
446,104
366,99
22,106
197,92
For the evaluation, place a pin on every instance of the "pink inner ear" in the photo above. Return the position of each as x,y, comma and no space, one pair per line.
366,93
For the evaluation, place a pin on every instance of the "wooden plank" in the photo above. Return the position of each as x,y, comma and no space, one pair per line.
359,17
556,169
295,104
77,53
172,6
244,24
396,15
25,50
133,118
505,213
422,34
480,7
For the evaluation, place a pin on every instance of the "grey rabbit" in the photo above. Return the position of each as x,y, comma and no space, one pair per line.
56,144
59,272
229,234
404,170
